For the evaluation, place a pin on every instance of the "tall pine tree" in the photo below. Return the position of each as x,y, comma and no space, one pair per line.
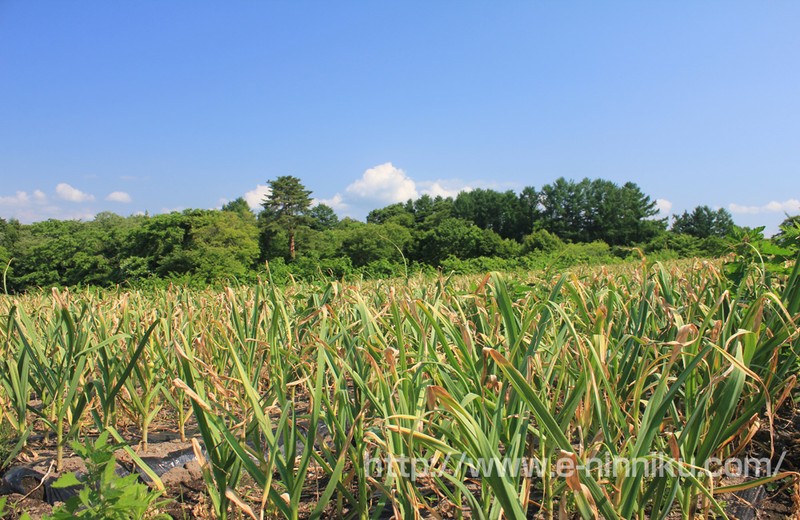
287,205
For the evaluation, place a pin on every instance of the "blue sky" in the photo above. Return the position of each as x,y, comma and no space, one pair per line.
154,106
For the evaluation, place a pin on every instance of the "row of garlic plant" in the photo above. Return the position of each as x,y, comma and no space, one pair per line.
651,366
644,364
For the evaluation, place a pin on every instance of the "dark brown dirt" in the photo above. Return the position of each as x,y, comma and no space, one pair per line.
781,499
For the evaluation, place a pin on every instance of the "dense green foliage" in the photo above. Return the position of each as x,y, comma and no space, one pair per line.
563,223
704,222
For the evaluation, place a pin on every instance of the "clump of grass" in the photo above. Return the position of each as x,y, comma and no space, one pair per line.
10,443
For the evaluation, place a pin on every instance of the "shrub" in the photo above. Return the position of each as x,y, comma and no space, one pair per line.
542,241
106,495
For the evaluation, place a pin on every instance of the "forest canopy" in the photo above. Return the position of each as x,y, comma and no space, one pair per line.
565,222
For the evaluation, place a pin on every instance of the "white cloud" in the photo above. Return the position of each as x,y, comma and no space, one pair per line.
387,184
36,206
443,188
31,208
790,206
384,184
256,196
787,206
67,192
664,206
21,198
118,196
336,202
737,208
36,213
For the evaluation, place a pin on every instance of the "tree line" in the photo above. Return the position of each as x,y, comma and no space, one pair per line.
563,222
